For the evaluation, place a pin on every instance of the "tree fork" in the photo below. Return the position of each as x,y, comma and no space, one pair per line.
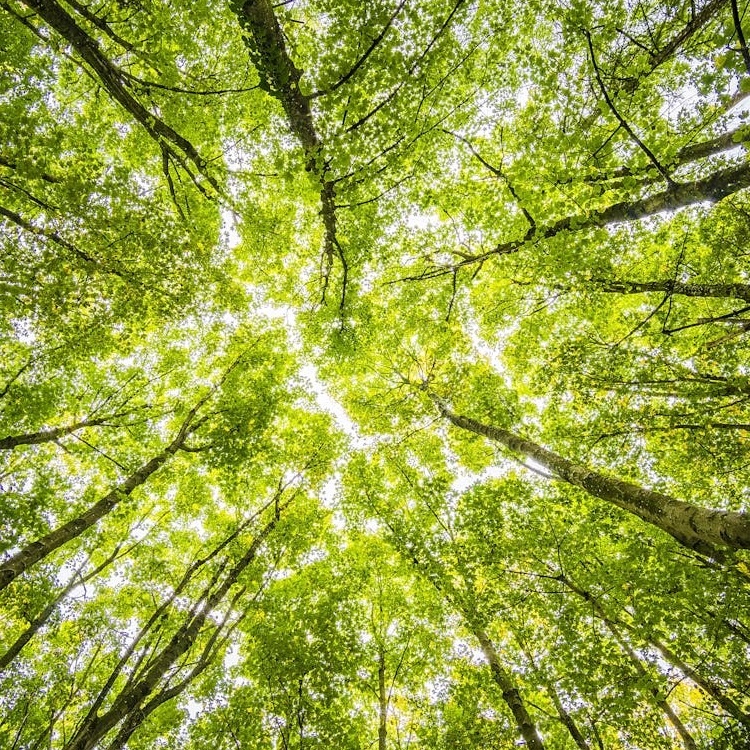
280,78
129,702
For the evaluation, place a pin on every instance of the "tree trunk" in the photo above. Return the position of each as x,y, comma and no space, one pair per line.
113,81
668,286
672,718
710,687
211,649
510,692
687,738
697,528
500,675
280,77
45,436
128,702
383,700
567,719
44,546
40,620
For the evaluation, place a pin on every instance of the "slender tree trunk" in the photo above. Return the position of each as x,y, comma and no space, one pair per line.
383,700
670,656
45,545
502,677
710,189
567,719
280,77
703,682
41,619
726,703
674,720
697,528
160,613
211,649
46,436
668,286
129,701
511,695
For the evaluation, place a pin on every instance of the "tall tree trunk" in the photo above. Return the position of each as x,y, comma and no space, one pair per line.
566,719
33,553
669,656
280,77
210,650
511,695
383,701
46,436
501,676
703,682
672,717
129,701
699,529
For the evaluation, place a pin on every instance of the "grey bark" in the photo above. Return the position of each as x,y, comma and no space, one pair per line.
511,695
36,551
699,529
668,286
130,701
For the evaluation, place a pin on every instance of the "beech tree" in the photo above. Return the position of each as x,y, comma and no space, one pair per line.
374,374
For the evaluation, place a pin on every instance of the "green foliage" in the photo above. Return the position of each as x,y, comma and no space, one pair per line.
250,283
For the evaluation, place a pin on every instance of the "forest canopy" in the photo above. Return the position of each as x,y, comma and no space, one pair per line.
374,374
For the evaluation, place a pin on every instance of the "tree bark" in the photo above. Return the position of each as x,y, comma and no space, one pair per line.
672,717
668,286
567,719
706,684
383,702
511,695
55,433
699,529
129,702
211,649
33,553
710,189
687,739
281,77
502,677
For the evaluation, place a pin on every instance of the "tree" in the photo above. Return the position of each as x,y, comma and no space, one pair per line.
374,374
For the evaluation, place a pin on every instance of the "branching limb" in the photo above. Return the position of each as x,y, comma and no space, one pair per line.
709,189
112,79
740,35
363,59
623,123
